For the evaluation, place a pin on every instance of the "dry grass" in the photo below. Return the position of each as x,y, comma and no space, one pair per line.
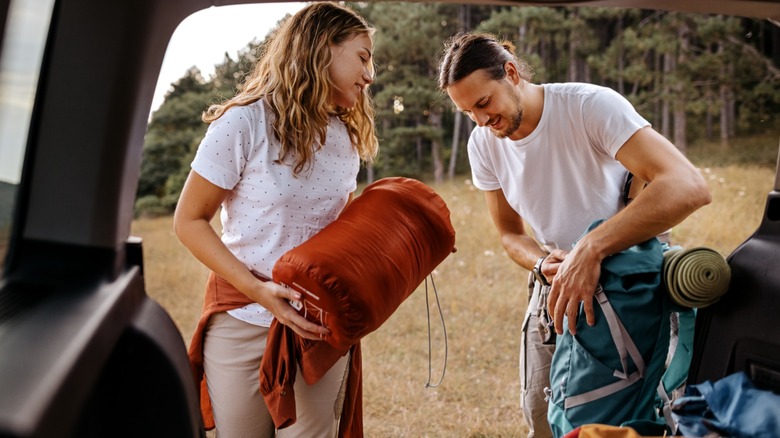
738,198
482,296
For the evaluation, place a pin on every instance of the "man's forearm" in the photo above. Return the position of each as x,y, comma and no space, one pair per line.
522,249
662,205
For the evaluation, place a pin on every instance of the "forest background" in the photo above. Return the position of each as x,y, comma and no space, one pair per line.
708,83
699,79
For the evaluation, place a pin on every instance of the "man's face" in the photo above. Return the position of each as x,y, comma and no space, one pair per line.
489,102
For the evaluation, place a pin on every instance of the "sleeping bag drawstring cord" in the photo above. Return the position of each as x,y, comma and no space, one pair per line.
444,328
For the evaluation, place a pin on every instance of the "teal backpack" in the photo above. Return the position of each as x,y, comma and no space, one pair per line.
615,372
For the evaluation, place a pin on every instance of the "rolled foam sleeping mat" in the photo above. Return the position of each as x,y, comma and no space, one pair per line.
695,277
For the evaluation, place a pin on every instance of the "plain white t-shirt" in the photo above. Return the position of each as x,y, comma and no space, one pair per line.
268,210
564,175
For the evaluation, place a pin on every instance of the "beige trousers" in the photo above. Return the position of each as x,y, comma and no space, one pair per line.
535,360
232,352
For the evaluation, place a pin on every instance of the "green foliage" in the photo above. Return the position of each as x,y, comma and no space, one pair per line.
176,128
658,60
154,206
173,133
710,53
539,34
408,103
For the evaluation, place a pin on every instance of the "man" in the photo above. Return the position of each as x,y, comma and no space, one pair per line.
557,156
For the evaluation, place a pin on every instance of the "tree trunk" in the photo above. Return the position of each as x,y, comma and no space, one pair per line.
680,101
732,104
434,120
419,144
573,44
370,175
658,85
724,116
621,85
666,122
465,17
572,71
680,131
725,91
455,144
586,68
708,115
465,24
522,30
418,140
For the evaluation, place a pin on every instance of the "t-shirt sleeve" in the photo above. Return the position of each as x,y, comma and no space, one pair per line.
221,155
482,173
612,120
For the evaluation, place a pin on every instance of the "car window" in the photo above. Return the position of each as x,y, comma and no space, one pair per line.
20,63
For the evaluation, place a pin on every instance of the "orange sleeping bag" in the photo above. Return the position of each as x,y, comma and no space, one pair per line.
356,272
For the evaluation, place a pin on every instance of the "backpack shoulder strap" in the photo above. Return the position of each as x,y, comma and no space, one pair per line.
677,372
625,347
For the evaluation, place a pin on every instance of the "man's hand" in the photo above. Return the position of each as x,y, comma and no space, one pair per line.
552,263
575,282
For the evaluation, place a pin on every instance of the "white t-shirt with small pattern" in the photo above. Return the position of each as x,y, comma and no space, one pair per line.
269,210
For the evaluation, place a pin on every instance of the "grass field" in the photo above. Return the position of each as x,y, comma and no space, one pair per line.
482,296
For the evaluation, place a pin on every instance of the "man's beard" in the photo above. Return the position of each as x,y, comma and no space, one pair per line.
514,121
514,125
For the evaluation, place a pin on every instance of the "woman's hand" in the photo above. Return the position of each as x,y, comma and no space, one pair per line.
277,299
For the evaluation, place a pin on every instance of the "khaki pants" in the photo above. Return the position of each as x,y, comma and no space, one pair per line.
535,360
232,352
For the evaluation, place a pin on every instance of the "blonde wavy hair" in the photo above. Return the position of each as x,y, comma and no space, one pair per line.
292,75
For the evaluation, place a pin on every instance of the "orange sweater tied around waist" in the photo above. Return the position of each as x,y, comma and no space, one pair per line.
285,351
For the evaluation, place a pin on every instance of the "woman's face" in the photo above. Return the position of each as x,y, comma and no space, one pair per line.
351,69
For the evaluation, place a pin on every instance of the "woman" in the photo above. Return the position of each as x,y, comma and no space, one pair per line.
281,158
